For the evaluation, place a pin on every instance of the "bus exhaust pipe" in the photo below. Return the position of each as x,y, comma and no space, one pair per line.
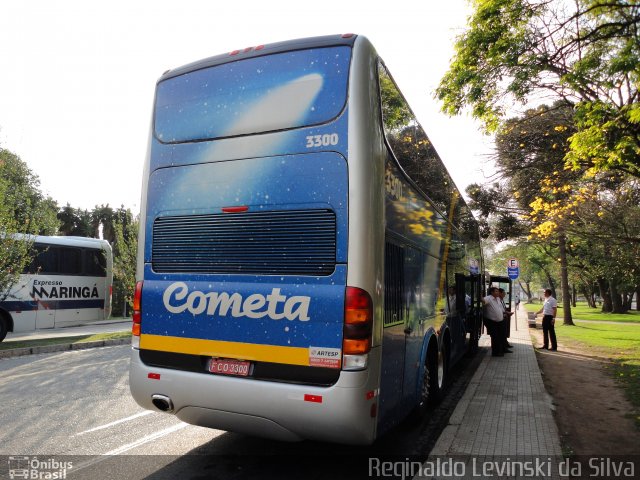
162,402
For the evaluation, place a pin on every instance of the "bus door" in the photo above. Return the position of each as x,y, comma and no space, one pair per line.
457,304
469,299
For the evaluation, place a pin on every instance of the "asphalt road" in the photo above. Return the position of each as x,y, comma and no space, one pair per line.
76,407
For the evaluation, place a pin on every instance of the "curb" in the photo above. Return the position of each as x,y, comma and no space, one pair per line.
64,347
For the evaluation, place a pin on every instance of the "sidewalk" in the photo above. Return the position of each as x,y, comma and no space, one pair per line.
106,326
103,326
505,411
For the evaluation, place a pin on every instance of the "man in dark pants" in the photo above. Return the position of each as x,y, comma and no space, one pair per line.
549,310
493,320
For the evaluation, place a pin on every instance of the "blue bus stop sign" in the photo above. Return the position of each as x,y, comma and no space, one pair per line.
513,273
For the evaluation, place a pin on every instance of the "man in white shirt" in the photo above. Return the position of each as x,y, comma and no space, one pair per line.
493,316
549,310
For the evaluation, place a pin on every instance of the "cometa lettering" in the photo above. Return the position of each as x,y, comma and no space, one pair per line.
64,292
178,299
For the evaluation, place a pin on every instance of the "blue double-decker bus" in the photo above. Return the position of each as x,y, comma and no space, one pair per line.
307,268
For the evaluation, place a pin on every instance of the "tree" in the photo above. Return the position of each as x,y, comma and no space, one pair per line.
535,266
103,216
33,212
14,252
605,235
120,229
590,222
23,210
529,157
586,53
75,222
534,185
125,248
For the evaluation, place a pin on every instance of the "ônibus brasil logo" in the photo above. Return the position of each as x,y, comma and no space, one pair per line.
35,468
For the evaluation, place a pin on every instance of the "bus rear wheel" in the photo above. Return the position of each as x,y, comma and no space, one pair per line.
441,376
430,389
422,407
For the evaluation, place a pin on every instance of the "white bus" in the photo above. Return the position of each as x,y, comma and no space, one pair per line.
299,238
68,282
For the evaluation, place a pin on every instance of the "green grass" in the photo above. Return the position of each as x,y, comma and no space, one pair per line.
64,340
583,312
616,339
621,343
532,307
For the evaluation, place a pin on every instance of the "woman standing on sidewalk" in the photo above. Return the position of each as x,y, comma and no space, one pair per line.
549,310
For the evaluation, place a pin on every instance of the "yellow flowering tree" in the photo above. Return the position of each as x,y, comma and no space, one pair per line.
529,157
586,52
588,222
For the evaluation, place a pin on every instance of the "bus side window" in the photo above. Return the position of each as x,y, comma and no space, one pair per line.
71,261
394,288
95,263
32,266
46,260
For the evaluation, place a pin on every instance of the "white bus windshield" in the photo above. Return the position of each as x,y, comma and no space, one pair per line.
262,94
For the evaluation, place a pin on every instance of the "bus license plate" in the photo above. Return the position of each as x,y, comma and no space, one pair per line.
229,367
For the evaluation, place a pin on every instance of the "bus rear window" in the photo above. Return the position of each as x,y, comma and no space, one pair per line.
256,95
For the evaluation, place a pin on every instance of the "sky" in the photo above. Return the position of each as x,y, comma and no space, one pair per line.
77,78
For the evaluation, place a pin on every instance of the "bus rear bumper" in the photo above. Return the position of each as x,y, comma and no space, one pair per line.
237,422
345,412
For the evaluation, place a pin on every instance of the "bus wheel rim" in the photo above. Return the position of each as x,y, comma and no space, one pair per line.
440,369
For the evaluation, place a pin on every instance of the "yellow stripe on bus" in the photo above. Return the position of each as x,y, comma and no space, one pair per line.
217,348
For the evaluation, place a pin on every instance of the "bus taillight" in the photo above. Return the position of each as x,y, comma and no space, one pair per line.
358,322
137,310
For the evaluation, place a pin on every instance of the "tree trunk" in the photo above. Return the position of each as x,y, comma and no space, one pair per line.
574,296
616,298
638,298
564,280
607,306
552,285
526,289
628,298
588,295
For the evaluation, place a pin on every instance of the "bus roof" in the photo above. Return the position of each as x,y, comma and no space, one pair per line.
68,241
268,49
